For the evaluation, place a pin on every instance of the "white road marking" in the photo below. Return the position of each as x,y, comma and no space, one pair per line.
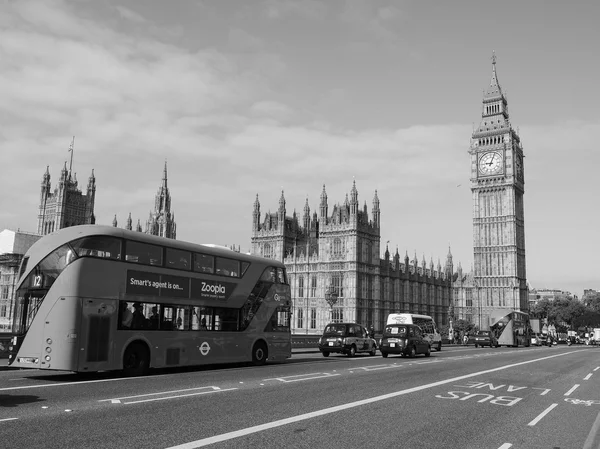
282,422
572,390
505,446
375,367
301,377
587,377
8,419
541,415
210,389
597,368
589,441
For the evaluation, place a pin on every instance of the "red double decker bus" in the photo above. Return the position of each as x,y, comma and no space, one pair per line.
94,298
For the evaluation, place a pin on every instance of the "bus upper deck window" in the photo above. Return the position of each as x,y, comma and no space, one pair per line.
98,246
204,263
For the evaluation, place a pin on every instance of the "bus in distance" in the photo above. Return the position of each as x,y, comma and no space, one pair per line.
96,298
425,322
511,327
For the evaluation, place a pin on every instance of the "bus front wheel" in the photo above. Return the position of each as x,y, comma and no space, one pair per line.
136,360
259,354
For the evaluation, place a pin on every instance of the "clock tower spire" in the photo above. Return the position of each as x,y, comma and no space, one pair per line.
497,186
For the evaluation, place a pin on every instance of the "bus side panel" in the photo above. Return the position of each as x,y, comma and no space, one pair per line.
61,328
280,345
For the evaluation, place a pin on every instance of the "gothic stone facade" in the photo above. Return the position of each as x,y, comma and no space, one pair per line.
66,206
335,270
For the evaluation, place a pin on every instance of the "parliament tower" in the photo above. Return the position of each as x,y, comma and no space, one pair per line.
66,205
497,186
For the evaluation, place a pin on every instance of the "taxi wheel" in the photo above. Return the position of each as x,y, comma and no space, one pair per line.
325,354
476,345
352,351
384,355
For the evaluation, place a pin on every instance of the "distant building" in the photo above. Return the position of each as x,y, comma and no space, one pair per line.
66,205
538,294
335,270
13,246
161,221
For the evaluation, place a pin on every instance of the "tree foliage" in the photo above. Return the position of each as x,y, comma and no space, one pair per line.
564,310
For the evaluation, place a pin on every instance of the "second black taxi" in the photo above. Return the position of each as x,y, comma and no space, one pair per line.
346,338
404,339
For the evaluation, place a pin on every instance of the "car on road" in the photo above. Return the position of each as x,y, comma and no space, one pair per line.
542,339
404,339
485,338
346,338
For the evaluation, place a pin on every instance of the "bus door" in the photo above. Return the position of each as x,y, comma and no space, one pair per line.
96,347
59,337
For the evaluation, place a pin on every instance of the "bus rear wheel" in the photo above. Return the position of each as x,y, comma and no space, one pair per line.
259,354
136,360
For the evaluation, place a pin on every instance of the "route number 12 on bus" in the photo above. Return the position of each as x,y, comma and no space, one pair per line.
95,298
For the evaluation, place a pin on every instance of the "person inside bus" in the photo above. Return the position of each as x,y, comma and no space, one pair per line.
139,320
203,325
154,318
126,316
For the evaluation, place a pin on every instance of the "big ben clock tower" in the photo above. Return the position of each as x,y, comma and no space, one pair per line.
497,185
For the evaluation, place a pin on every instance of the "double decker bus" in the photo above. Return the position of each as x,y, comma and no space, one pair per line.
511,327
94,298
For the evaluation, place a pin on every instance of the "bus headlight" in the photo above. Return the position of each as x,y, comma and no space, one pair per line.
47,358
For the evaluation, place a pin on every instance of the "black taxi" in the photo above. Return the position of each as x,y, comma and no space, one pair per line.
346,338
404,339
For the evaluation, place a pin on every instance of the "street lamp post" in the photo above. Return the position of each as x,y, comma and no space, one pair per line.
331,296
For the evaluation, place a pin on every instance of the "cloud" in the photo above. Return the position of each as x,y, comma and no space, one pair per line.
241,40
372,22
279,9
128,14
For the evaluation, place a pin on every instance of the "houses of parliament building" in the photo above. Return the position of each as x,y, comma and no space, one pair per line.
333,257
334,267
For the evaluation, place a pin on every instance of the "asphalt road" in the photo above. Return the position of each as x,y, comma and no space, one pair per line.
461,397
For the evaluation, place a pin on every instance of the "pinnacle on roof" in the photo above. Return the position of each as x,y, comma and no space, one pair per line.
494,90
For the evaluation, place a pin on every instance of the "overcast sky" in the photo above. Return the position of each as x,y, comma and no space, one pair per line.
251,97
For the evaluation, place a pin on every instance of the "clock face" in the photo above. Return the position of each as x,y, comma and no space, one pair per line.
519,166
490,163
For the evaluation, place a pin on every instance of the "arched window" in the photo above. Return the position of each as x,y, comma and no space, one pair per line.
300,288
337,248
300,318
337,284
267,251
